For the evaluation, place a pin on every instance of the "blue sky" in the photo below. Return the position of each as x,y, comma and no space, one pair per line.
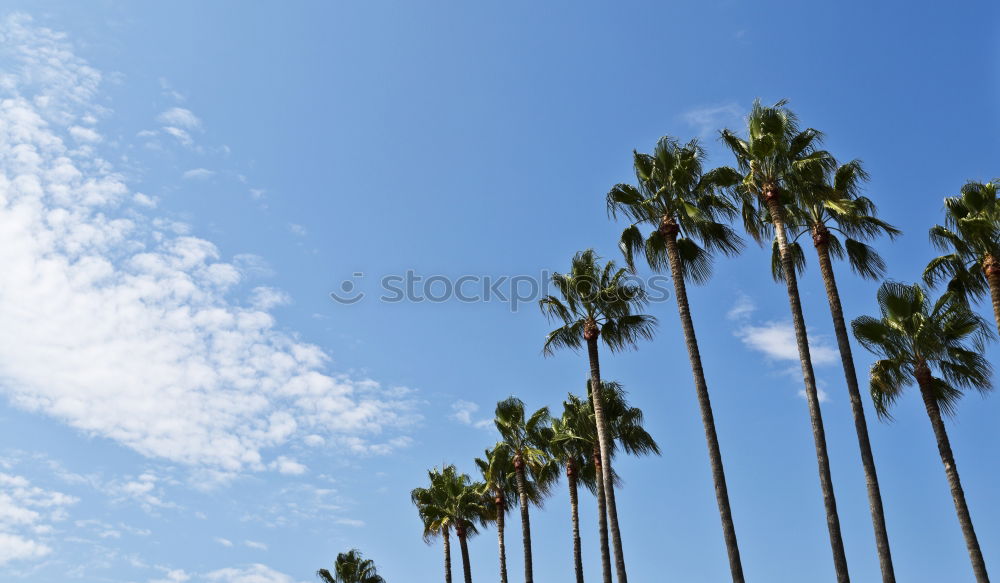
186,182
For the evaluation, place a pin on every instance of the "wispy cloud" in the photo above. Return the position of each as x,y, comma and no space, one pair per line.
27,513
198,174
123,325
180,117
707,120
464,412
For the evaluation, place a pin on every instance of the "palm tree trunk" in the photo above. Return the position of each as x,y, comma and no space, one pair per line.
522,496
606,471
812,396
574,508
858,410
705,404
501,510
951,470
447,557
602,518
464,546
991,266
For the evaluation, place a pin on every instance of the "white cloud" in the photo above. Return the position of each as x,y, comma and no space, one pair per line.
265,298
776,340
84,135
123,327
255,573
463,412
172,576
255,545
224,541
179,117
288,466
742,309
298,230
350,522
314,440
26,516
184,138
198,174
708,120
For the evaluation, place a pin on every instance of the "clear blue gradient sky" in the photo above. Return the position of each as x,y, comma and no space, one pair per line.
158,426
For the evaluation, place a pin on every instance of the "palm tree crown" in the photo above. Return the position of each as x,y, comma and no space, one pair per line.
678,198
913,338
351,567
972,235
596,302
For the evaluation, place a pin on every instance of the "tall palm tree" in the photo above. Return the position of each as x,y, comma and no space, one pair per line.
351,567
500,491
913,340
779,162
831,211
454,501
972,235
430,503
682,204
598,303
573,452
525,439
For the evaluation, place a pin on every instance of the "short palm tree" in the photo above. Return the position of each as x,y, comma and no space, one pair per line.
525,439
452,501
351,567
838,219
939,348
500,492
971,234
779,163
683,204
598,303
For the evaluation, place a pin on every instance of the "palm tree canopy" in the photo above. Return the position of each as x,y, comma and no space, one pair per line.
776,158
351,567
970,235
528,437
452,500
834,212
575,433
596,299
941,342
500,480
674,192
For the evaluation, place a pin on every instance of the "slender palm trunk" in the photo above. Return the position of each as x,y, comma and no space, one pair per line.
812,396
501,511
447,557
522,496
602,518
951,470
857,408
574,506
463,544
705,404
991,266
605,445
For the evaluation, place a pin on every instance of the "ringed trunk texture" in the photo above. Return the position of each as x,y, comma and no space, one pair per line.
447,557
575,510
951,470
602,519
464,546
991,266
522,496
857,408
501,511
705,405
812,396
607,475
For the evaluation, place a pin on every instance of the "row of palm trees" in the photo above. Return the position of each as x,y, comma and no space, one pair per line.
783,188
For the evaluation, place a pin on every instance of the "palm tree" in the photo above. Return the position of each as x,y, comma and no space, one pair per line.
452,501
573,447
913,339
598,303
525,440
779,163
829,211
681,203
351,567
972,235
500,490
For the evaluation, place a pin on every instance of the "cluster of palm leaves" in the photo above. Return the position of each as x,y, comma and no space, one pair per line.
783,188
